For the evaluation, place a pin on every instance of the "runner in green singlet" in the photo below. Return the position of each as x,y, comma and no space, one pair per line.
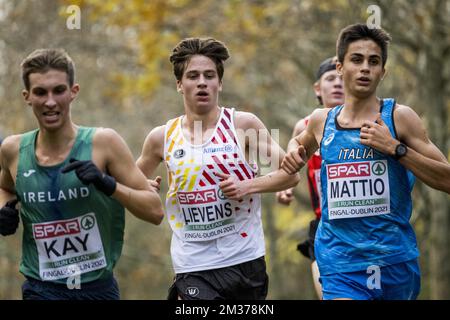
73,183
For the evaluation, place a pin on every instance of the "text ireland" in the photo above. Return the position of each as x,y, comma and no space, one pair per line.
56,196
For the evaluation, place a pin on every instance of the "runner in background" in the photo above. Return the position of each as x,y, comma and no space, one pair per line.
330,93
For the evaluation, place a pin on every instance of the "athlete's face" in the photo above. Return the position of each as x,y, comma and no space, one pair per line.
362,68
200,84
330,89
50,96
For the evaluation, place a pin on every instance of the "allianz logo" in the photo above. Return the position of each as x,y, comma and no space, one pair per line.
226,148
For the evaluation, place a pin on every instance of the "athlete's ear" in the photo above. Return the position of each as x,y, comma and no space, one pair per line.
220,85
339,67
74,91
383,74
179,87
26,96
316,87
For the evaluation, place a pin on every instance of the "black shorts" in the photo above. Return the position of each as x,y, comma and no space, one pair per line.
306,248
244,281
106,289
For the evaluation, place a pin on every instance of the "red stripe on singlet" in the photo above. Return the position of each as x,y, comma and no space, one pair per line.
221,166
225,124
221,135
239,174
227,114
245,170
207,177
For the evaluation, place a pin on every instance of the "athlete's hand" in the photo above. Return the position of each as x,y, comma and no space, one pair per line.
232,187
286,196
9,218
155,184
88,173
294,160
377,135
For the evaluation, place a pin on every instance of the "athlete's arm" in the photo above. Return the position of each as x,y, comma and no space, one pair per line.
303,146
152,155
423,158
267,151
132,190
286,196
9,152
9,215
300,126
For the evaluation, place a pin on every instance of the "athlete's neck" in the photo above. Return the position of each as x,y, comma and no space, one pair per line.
208,120
331,106
53,146
357,110
194,123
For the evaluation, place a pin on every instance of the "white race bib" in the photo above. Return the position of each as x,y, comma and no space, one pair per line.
207,215
69,246
358,189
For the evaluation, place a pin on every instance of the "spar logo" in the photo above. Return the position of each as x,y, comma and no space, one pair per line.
355,169
378,168
88,222
197,197
221,195
56,229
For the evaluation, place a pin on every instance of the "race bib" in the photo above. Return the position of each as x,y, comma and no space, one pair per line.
69,246
207,215
358,189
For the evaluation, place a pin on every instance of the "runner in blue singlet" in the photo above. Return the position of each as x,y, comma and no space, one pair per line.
371,148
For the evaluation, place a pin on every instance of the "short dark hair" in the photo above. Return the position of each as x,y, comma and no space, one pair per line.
209,47
328,64
43,60
361,31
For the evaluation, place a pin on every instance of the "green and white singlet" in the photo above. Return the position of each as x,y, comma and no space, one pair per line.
69,228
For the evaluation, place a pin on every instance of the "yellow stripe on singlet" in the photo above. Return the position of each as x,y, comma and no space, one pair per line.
170,178
172,143
179,225
192,183
172,194
172,127
185,178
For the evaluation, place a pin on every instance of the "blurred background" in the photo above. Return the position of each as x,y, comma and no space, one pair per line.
121,54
